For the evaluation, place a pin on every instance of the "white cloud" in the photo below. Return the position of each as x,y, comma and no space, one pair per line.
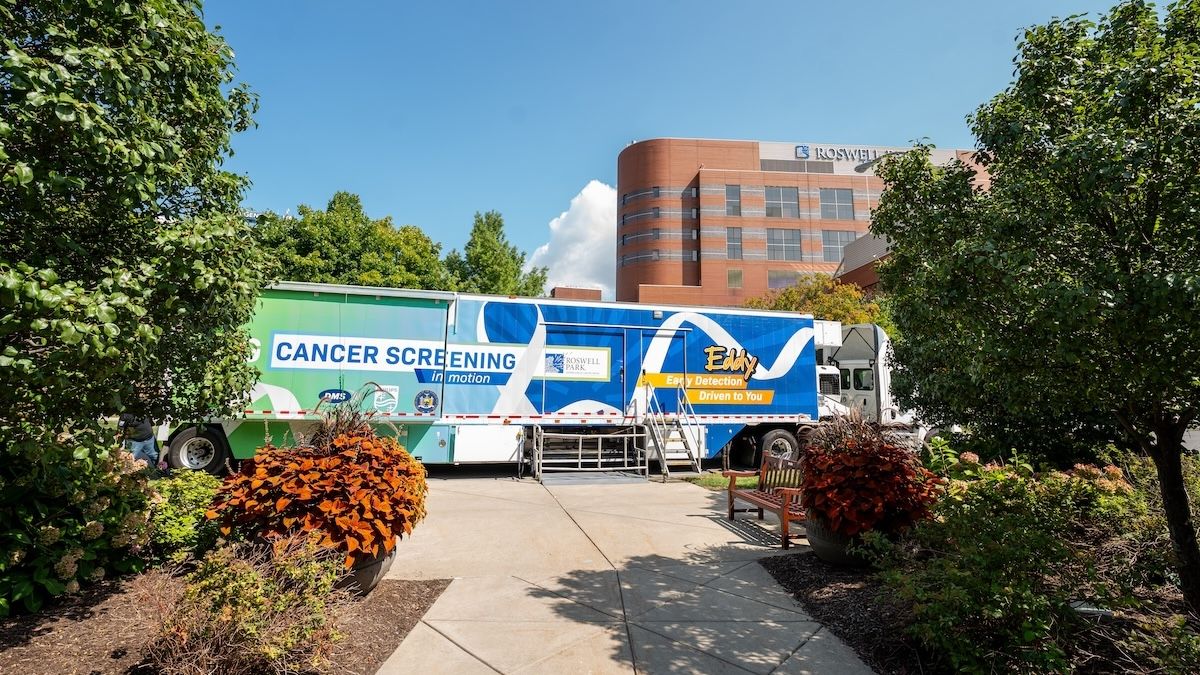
582,250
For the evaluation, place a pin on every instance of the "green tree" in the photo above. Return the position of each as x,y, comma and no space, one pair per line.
343,245
824,298
1071,287
125,271
489,264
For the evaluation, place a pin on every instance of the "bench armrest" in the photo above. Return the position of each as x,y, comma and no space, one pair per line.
739,474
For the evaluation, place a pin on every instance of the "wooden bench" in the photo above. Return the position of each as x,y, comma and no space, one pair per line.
778,491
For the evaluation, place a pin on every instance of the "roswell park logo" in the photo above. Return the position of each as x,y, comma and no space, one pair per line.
801,152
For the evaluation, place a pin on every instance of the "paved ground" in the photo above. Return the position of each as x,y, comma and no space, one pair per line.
623,577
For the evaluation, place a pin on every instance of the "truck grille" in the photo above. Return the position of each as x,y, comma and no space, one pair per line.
830,385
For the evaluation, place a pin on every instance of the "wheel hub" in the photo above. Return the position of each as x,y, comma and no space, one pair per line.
197,453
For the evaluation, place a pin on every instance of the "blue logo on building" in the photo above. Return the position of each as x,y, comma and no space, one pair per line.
425,401
801,152
555,364
335,396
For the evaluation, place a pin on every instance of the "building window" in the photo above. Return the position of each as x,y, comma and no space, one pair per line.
695,213
733,278
777,279
654,254
624,240
833,241
783,244
837,204
655,189
657,212
733,200
733,243
783,202
656,233
695,256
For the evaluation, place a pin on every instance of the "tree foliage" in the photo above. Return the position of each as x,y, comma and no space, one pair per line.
824,298
490,264
124,274
343,245
1069,292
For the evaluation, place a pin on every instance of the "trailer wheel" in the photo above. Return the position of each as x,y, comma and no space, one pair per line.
198,449
781,444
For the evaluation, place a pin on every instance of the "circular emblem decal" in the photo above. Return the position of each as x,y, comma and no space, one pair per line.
425,401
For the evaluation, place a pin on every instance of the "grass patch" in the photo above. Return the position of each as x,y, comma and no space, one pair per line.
715,481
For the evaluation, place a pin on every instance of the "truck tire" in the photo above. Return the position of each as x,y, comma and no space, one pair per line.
780,443
198,449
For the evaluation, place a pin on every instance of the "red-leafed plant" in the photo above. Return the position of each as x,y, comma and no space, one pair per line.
859,478
355,491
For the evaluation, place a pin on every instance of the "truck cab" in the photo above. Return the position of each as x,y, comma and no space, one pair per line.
864,374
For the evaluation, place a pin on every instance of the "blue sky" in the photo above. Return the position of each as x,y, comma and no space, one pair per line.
434,110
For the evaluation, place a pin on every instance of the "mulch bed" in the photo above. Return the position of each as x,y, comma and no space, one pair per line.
848,602
103,629
377,624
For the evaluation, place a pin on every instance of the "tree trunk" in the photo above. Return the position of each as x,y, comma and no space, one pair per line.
1167,458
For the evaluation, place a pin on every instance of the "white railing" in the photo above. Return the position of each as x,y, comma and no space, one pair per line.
689,427
655,424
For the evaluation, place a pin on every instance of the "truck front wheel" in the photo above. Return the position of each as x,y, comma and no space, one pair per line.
198,449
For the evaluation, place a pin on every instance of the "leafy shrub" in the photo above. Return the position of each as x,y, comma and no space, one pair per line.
991,578
178,526
858,478
67,524
360,492
254,609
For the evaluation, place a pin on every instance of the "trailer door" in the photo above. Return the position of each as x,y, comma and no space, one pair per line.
662,363
583,369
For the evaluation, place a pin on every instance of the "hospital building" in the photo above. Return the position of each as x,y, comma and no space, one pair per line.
717,222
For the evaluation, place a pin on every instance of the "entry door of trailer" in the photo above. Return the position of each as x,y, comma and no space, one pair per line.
662,361
583,369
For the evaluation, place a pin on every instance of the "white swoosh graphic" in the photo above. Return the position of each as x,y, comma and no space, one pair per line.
661,342
512,399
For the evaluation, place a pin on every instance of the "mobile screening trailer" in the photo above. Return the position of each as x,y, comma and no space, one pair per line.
543,383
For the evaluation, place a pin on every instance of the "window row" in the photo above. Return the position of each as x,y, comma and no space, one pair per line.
655,255
654,212
654,233
657,191
784,244
784,202
776,279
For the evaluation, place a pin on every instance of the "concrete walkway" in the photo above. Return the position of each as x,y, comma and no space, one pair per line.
610,577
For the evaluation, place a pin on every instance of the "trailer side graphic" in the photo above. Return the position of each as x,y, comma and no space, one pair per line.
466,375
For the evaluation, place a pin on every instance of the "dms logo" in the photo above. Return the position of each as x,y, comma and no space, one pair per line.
335,396
425,401
801,152
555,364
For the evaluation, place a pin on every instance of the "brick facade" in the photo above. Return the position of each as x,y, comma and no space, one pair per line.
676,205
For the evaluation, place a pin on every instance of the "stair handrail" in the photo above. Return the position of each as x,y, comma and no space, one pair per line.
684,406
538,441
658,432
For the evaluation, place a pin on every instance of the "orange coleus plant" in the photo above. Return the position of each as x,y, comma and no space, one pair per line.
867,484
356,496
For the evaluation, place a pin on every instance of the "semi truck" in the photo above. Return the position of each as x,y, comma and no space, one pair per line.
544,384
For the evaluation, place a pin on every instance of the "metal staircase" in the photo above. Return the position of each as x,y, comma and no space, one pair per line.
676,439
672,439
588,450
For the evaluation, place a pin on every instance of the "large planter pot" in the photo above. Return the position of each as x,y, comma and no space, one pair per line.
366,574
831,546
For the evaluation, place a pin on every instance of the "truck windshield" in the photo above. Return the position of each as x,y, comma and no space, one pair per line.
864,379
